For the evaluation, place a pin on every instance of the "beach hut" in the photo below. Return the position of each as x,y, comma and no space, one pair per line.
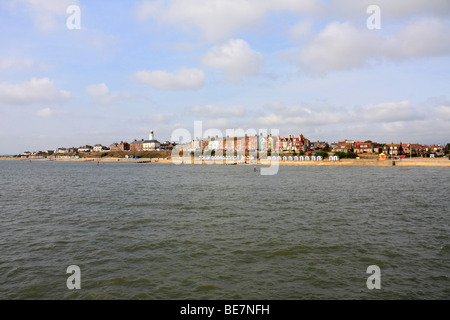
278,158
335,158
307,158
284,158
290,158
302,158
295,158
313,158
319,158
330,158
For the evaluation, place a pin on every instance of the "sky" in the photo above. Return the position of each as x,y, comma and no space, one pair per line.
328,69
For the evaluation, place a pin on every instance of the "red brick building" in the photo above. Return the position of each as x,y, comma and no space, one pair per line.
230,143
393,149
252,143
293,144
241,144
363,147
123,146
344,146
137,145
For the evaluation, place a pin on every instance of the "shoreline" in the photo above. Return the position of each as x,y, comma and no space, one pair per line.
420,162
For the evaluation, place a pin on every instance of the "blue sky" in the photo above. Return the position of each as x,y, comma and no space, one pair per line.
310,67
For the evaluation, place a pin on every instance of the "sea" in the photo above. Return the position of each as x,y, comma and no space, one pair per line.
158,231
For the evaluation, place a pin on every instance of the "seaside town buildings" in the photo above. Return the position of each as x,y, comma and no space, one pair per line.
123,146
248,144
393,149
357,147
151,144
293,144
344,146
99,148
137,145
256,143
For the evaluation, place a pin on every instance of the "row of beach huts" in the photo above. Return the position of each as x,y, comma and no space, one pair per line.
269,158
301,158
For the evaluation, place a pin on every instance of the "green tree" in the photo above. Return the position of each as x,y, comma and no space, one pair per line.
322,153
447,148
341,155
352,155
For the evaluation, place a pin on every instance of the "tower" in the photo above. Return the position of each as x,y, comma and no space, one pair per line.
151,136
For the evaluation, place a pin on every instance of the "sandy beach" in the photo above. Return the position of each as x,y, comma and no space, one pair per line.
415,162
420,162
140,160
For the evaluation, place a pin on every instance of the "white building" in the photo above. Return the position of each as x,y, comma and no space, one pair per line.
98,148
151,144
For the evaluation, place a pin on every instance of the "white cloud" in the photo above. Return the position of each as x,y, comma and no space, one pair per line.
44,113
210,111
15,64
425,38
162,117
272,120
217,20
220,123
280,115
183,79
389,9
392,112
236,59
342,46
34,91
426,122
100,93
443,112
384,113
339,46
301,29
47,14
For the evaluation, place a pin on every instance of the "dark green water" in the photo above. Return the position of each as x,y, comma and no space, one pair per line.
161,231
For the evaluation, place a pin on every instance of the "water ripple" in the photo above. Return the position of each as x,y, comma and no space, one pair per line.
219,232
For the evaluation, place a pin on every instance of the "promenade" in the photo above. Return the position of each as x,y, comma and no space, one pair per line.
405,162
